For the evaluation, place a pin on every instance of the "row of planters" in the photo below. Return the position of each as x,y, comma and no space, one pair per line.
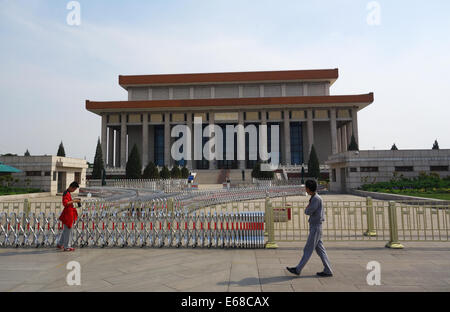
424,183
134,168
151,171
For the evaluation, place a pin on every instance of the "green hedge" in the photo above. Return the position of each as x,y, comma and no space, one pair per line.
17,190
424,183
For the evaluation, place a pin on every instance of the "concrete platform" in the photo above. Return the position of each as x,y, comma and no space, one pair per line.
419,267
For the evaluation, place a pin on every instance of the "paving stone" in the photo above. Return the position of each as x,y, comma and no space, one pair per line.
421,266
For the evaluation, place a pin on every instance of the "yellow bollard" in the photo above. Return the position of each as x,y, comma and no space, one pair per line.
170,205
393,230
370,218
26,210
266,216
271,227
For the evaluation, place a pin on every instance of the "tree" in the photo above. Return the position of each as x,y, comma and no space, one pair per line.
165,173
27,153
353,146
175,173
257,173
98,168
394,148
151,171
133,169
184,172
313,164
103,177
267,174
61,151
436,145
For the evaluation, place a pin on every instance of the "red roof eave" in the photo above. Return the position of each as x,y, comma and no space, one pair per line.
333,99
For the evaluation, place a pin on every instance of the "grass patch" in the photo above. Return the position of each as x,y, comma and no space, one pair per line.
443,196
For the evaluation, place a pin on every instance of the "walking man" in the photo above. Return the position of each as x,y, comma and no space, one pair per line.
68,217
316,216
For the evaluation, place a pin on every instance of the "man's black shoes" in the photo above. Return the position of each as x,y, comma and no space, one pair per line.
293,270
323,274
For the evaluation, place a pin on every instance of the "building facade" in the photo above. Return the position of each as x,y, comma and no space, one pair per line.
48,173
351,169
298,101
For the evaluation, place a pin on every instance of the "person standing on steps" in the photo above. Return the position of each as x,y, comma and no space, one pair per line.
68,217
316,216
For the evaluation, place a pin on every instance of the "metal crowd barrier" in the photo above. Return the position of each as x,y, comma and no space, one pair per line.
165,185
136,228
201,199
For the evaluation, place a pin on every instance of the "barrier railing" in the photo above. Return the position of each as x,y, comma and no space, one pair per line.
139,228
165,185
284,219
366,220
201,199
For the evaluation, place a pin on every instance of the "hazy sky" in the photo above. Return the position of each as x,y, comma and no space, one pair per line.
49,68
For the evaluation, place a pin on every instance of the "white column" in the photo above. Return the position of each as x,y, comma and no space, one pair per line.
117,153
151,134
241,91
150,94
212,163
339,139
189,162
167,158
104,141
263,117
355,124
334,148
264,134
310,130
144,139
305,89
241,122
345,138
110,147
287,138
348,129
123,140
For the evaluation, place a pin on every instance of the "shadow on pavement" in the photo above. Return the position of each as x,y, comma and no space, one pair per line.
251,281
30,252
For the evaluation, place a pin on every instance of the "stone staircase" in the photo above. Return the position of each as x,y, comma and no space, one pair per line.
207,176
219,176
224,173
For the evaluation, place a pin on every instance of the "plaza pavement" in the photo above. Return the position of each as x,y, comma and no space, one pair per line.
419,267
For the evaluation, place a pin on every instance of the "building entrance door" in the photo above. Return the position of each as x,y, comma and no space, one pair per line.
343,180
61,182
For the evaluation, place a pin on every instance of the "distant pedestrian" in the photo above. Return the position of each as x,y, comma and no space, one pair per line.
316,216
68,217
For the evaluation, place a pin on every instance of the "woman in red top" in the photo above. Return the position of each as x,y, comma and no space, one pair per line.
68,217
